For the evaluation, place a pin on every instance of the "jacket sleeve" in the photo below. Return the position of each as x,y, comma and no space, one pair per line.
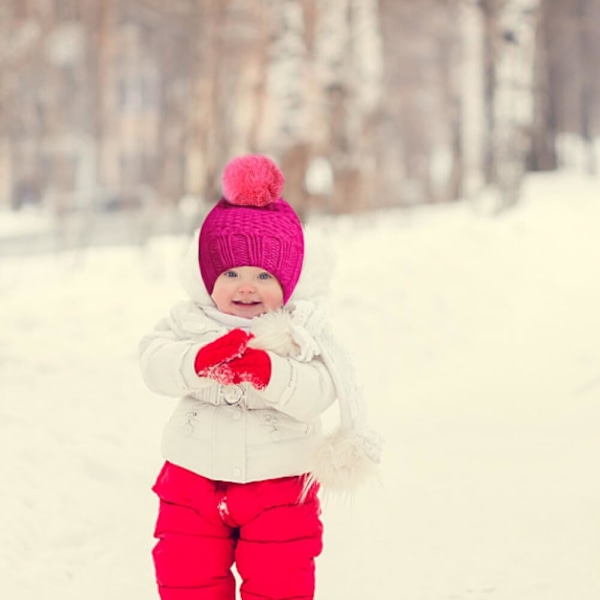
167,360
302,390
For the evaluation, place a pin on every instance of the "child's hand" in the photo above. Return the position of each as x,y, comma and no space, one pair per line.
253,367
227,347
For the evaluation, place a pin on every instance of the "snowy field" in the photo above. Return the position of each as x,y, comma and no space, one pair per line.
476,340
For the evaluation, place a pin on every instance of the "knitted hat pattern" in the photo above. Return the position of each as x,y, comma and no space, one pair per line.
252,225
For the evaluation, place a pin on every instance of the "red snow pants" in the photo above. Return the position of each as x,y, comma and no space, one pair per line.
205,526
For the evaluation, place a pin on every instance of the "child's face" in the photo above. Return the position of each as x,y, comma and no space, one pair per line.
247,292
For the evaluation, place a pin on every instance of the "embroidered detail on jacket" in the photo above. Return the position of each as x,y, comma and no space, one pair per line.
270,421
189,426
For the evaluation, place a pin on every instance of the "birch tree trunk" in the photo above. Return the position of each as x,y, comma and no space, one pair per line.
367,58
210,137
513,96
474,131
543,151
587,99
349,73
286,113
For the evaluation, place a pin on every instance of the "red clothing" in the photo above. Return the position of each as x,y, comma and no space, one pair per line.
205,526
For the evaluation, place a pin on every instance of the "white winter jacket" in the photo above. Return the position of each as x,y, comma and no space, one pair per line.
233,432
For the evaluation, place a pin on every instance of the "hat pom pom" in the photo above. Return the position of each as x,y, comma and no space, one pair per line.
252,180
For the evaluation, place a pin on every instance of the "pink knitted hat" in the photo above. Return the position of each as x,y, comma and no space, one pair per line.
252,225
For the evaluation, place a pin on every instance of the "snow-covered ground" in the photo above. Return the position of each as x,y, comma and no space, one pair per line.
477,343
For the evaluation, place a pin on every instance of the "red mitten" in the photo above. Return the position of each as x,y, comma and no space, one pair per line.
253,367
223,349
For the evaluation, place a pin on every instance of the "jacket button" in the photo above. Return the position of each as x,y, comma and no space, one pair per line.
275,435
237,472
232,394
237,415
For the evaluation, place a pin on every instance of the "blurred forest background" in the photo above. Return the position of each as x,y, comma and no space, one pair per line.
135,105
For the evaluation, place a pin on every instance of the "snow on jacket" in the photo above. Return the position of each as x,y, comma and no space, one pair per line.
235,432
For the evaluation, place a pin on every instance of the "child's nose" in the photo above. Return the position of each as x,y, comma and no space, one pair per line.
246,287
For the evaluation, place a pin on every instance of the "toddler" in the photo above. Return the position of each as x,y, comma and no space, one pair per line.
253,362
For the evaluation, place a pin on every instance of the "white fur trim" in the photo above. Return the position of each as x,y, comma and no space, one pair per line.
273,331
318,267
189,274
289,334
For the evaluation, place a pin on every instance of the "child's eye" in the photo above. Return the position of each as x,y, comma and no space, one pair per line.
264,275
230,274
